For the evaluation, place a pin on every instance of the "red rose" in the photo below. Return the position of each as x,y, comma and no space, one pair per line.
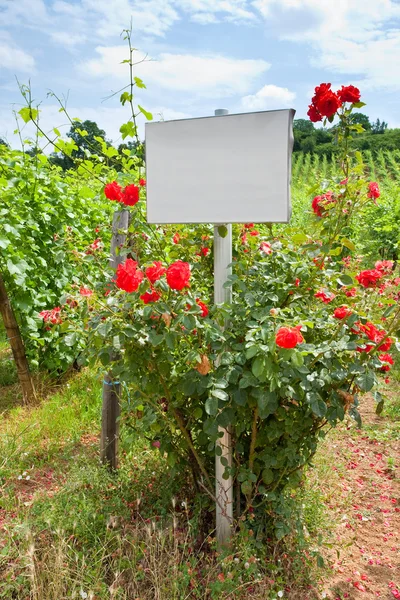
51,316
176,238
386,358
113,191
155,272
349,93
369,329
313,114
142,182
130,195
385,266
328,104
325,297
320,203
129,277
316,206
249,225
204,251
178,275
369,277
351,292
244,238
84,291
204,307
150,296
289,337
266,247
297,282
386,344
254,233
373,190
342,312
320,90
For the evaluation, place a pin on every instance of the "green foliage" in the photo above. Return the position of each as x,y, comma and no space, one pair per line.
322,141
48,223
87,138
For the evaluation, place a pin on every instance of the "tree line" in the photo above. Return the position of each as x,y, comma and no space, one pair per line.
89,139
376,136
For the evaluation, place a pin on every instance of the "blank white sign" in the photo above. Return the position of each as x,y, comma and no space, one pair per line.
225,169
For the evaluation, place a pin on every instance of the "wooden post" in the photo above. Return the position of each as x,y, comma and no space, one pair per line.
110,422
17,344
111,389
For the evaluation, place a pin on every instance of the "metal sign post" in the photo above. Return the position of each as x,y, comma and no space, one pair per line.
223,487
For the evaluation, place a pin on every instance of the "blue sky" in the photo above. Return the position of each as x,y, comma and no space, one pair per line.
238,54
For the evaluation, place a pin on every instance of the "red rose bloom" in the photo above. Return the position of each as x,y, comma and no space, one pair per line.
325,297
313,114
369,329
51,316
387,344
297,282
386,358
369,278
328,104
320,203
254,233
385,266
129,277
320,90
265,247
204,307
142,182
155,272
204,250
349,93
113,191
373,190
130,195
178,275
176,238
351,292
244,238
289,337
84,291
249,225
150,296
342,312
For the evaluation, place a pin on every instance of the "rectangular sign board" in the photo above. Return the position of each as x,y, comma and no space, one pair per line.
224,169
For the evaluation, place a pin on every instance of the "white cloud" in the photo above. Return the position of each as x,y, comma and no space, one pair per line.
202,75
15,59
17,12
357,37
152,17
212,11
67,39
269,97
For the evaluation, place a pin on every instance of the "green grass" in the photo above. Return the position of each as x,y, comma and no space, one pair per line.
67,524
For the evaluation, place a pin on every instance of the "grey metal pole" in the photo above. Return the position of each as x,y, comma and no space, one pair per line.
223,487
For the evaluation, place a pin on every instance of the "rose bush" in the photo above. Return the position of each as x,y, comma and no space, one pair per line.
309,332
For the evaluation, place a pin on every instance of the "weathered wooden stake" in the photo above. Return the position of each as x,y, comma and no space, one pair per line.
111,389
17,344
110,422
